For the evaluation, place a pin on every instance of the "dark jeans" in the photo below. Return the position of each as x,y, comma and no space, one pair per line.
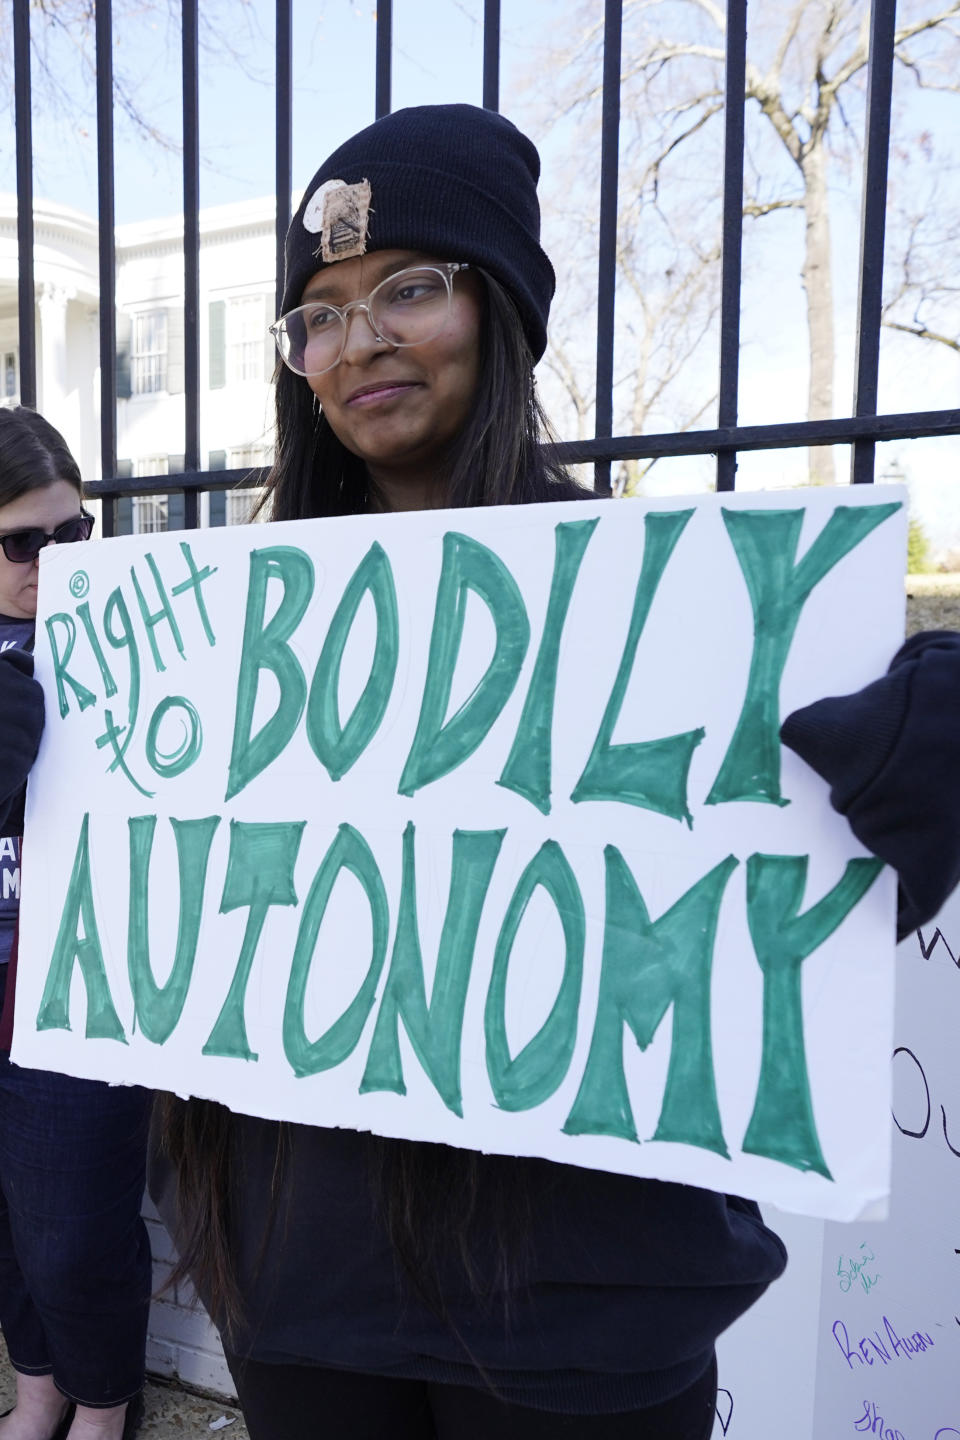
306,1402
74,1253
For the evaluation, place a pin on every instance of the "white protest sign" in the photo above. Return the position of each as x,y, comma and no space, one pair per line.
474,826
862,1334
889,1330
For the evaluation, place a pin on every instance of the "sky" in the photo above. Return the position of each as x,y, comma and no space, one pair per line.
438,58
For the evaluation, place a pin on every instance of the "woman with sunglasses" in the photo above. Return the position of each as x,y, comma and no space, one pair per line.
365,1287
74,1254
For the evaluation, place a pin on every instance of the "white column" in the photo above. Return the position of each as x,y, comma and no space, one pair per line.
90,400
52,301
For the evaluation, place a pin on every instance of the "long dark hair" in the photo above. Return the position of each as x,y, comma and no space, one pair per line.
32,455
428,1194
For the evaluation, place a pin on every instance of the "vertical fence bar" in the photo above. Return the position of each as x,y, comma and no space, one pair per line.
23,112
284,133
384,54
105,214
191,253
607,258
732,240
883,18
491,54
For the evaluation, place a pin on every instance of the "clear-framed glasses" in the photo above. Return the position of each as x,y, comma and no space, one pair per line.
408,308
23,546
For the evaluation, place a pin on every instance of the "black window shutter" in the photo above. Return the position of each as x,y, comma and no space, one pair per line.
217,460
218,344
125,503
124,328
218,507
175,511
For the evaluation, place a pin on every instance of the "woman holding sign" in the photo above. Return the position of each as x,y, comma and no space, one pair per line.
368,1287
74,1255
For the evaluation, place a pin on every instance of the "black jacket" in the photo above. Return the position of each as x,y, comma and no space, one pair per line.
21,724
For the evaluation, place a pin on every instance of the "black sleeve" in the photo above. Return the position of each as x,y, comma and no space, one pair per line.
891,755
21,724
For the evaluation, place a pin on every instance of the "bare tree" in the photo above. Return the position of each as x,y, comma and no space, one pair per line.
63,66
666,308
923,295
806,71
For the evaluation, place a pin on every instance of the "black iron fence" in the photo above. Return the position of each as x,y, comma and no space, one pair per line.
863,428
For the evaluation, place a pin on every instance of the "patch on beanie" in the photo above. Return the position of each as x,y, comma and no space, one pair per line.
339,214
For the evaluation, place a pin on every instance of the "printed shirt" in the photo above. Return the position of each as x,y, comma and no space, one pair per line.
12,632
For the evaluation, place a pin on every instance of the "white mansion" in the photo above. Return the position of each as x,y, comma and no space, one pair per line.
237,256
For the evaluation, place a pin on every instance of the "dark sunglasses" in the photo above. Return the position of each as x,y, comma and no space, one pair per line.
23,546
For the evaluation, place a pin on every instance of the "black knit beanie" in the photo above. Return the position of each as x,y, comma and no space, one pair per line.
454,181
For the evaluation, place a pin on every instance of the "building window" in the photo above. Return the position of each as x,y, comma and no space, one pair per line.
240,503
150,512
9,379
245,338
148,372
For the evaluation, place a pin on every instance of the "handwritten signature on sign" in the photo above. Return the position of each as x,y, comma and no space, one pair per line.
872,1423
885,1348
856,1270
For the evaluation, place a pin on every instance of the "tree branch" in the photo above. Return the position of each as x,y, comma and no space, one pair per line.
789,35
922,332
756,208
